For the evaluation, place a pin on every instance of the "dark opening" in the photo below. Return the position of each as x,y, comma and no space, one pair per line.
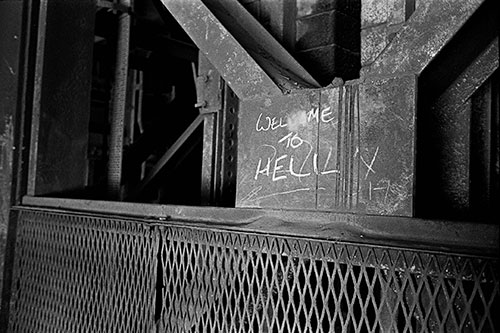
161,98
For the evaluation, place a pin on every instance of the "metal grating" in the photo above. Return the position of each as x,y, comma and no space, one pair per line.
221,281
77,273
90,273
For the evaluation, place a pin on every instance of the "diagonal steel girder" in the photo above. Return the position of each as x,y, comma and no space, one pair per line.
251,61
428,30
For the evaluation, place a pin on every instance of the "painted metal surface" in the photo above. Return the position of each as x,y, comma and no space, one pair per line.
238,68
348,148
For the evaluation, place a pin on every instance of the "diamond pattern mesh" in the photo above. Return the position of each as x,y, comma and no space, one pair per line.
78,273
99,274
237,282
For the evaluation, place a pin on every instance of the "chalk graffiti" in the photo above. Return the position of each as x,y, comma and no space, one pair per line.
266,123
290,160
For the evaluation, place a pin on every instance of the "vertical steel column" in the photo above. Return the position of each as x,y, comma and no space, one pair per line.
209,98
228,127
118,104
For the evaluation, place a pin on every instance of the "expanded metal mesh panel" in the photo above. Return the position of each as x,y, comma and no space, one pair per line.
221,281
78,273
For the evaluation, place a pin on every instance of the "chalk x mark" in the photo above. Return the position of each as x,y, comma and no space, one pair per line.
369,166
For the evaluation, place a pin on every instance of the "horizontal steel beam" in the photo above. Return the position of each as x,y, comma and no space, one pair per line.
435,235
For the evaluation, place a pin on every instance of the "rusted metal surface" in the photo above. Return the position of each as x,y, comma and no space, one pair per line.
283,69
349,148
119,99
239,69
62,97
429,29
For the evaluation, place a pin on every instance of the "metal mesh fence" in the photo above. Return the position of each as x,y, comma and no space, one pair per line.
100,274
77,273
238,282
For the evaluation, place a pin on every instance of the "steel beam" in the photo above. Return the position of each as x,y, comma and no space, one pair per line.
446,141
262,46
435,235
430,28
168,155
243,74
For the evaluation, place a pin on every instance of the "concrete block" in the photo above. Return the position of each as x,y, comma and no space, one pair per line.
398,12
374,12
327,62
373,42
313,7
328,28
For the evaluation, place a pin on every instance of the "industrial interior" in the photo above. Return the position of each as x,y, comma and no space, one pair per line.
160,99
249,166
